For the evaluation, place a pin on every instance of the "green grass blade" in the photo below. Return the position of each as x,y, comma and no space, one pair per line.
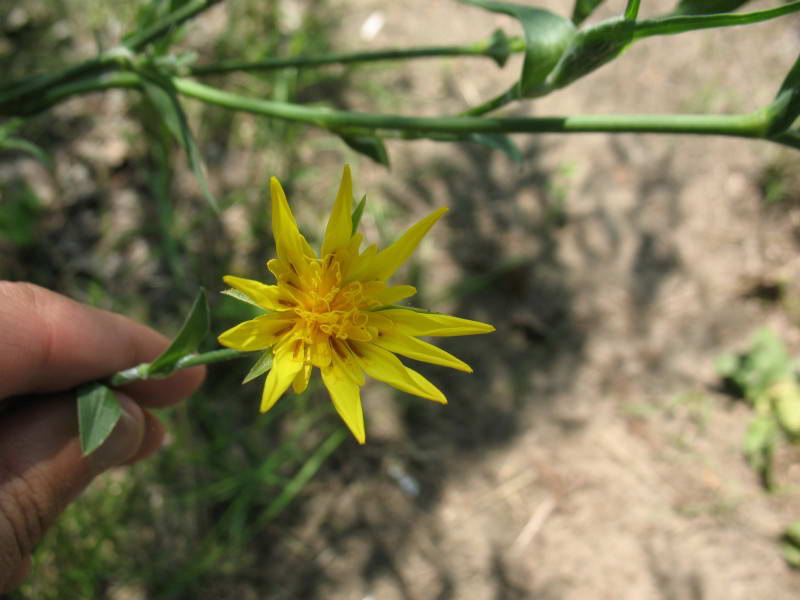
302,477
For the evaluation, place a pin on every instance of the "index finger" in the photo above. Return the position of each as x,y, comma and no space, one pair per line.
52,343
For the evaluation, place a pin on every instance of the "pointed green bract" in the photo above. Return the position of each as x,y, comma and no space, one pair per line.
262,365
358,213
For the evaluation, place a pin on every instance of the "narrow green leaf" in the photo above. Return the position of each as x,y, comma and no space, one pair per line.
302,477
162,95
262,365
499,142
194,329
584,8
590,49
358,213
707,7
673,25
240,296
547,35
98,413
370,146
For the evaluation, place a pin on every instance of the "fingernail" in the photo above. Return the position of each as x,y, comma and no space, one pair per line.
124,441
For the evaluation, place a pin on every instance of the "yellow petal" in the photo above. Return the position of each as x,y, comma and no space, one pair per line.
256,334
393,294
346,398
387,261
412,322
266,296
435,393
300,382
340,223
405,345
385,366
287,362
289,243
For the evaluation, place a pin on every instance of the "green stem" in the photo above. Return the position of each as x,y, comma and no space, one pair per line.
751,125
140,372
491,105
411,127
632,10
681,24
139,39
478,49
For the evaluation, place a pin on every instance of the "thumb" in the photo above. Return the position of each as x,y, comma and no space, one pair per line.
42,469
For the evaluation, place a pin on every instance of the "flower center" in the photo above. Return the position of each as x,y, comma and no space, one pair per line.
328,309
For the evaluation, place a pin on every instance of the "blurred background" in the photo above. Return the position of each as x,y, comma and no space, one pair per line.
596,451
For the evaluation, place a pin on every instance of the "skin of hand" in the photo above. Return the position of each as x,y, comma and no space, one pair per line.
50,345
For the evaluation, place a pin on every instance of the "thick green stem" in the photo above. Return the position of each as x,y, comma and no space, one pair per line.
478,49
397,126
682,24
410,127
140,372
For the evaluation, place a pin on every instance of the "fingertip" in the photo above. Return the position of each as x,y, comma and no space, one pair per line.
154,433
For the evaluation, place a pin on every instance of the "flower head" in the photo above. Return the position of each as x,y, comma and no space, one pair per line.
336,312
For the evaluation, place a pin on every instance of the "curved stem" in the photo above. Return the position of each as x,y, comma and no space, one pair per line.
491,105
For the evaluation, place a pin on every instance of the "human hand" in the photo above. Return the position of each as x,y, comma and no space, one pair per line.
50,345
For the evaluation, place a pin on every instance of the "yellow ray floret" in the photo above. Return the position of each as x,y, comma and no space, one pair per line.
336,312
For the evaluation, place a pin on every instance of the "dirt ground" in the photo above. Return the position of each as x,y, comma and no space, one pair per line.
591,455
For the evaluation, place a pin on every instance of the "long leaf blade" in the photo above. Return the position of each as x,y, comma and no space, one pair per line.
194,329
162,95
99,411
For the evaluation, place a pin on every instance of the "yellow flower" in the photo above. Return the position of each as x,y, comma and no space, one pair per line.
335,312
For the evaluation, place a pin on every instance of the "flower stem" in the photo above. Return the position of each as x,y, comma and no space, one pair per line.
752,125
141,372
